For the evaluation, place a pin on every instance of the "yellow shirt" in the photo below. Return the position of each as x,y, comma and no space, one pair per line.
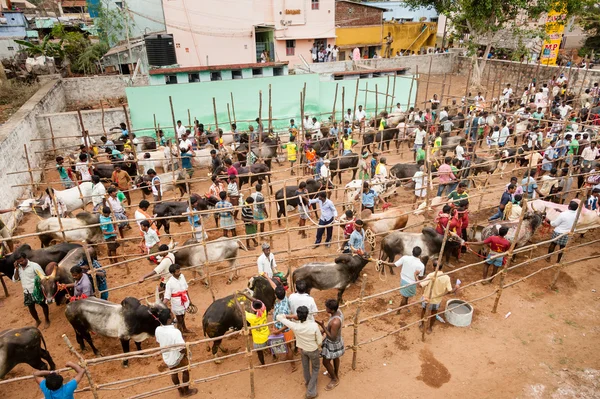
291,148
441,287
259,335
347,144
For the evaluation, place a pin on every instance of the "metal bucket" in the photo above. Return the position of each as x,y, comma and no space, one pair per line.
459,313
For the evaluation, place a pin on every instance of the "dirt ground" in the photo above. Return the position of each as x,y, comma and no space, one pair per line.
546,348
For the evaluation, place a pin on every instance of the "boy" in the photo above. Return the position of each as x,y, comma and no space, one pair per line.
249,222
498,244
51,383
64,175
150,239
258,317
292,150
176,291
110,235
122,180
186,161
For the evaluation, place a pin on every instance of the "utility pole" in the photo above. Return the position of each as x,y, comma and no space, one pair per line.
127,36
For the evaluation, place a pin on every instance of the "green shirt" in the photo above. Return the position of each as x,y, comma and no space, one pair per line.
574,147
420,154
455,197
62,172
538,116
120,196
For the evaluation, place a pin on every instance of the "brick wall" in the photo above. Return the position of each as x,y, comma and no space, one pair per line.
348,13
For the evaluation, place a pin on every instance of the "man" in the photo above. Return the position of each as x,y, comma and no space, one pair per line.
381,171
162,269
267,266
150,240
186,143
388,45
215,162
412,271
142,214
549,156
260,331
361,117
176,291
347,144
117,210
98,194
167,335
110,236
259,211
348,117
123,181
249,222
308,340
507,197
504,133
548,185
445,176
530,186
328,213
26,272
589,155
592,201
562,225
82,285
436,285
124,132
506,95
356,242
325,172
308,124
333,344
157,190
51,383
498,244
301,298
83,168
368,197
564,110
180,130
225,214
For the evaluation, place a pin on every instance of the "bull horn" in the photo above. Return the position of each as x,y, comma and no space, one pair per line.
53,274
40,275
156,296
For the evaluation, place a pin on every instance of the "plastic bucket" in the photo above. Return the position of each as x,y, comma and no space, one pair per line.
459,313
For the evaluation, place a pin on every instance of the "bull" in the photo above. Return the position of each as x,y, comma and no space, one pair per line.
61,274
324,145
174,210
23,345
221,249
167,183
257,172
70,199
531,222
340,164
401,243
324,276
42,256
223,314
384,189
126,321
292,200
80,228
384,222
587,219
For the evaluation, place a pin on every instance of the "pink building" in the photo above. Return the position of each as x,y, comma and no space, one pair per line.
216,32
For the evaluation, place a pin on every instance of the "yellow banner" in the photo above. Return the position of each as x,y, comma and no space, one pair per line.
555,27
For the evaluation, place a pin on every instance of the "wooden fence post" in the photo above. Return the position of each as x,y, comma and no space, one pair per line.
355,327
83,363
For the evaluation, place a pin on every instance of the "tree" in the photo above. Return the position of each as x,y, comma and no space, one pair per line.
590,22
487,22
111,23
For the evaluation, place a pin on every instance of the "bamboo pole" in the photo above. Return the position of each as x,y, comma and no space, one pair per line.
102,107
376,102
86,249
233,108
343,109
52,137
229,114
33,185
428,77
355,336
417,88
270,111
174,121
82,363
387,91
334,102
216,119
248,344
355,103
189,118
394,93
133,149
365,103
156,128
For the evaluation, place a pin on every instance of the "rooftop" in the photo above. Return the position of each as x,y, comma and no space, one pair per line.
162,71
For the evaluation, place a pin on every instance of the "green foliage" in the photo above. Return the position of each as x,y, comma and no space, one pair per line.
590,22
45,48
88,62
111,23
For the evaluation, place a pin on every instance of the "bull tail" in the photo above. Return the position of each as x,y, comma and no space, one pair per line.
241,245
43,341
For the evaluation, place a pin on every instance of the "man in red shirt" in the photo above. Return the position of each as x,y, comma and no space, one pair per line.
449,215
498,244
231,170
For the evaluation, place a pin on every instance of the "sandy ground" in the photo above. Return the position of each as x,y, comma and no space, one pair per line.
546,348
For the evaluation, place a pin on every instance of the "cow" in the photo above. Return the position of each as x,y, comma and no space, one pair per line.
265,150
221,249
80,228
126,321
344,271
587,219
223,314
531,222
142,143
384,222
257,172
104,170
176,210
69,199
383,189
324,145
340,164
292,200
402,243
23,345
163,158
167,183
42,256
449,143
382,138
61,274
483,165
202,158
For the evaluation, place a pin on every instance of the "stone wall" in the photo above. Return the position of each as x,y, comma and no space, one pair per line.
86,91
19,130
356,14
520,74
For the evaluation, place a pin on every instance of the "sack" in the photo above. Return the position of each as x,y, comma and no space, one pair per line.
277,342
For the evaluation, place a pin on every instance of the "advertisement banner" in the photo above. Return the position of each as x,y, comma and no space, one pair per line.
555,27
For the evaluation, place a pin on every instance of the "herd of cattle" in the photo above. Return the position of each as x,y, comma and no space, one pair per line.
134,320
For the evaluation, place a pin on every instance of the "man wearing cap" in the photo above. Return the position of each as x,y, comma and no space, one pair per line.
266,262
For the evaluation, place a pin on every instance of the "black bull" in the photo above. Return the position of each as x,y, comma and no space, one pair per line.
382,138
43,256
174,210
23,345
340,164
223,314
292,199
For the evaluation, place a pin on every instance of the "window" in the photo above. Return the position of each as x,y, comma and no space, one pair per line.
314,4
193,77
119,4
290,47
236,74
171,79
10,48
278,71
215,76
433,19
257,72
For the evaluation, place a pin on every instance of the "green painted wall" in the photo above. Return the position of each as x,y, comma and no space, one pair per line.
149,101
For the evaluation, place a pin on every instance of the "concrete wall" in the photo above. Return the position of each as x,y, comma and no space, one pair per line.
521,74
8,48
19,130
355,14
89,90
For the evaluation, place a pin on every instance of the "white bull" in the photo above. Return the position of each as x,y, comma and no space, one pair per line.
76,229
67,200
385,189
161,158
587,219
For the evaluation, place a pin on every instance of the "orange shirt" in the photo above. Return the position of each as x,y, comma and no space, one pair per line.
122,179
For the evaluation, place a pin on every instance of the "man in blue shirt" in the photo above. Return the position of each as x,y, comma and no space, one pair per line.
51,383
356,243
328,213
368,197
507,197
